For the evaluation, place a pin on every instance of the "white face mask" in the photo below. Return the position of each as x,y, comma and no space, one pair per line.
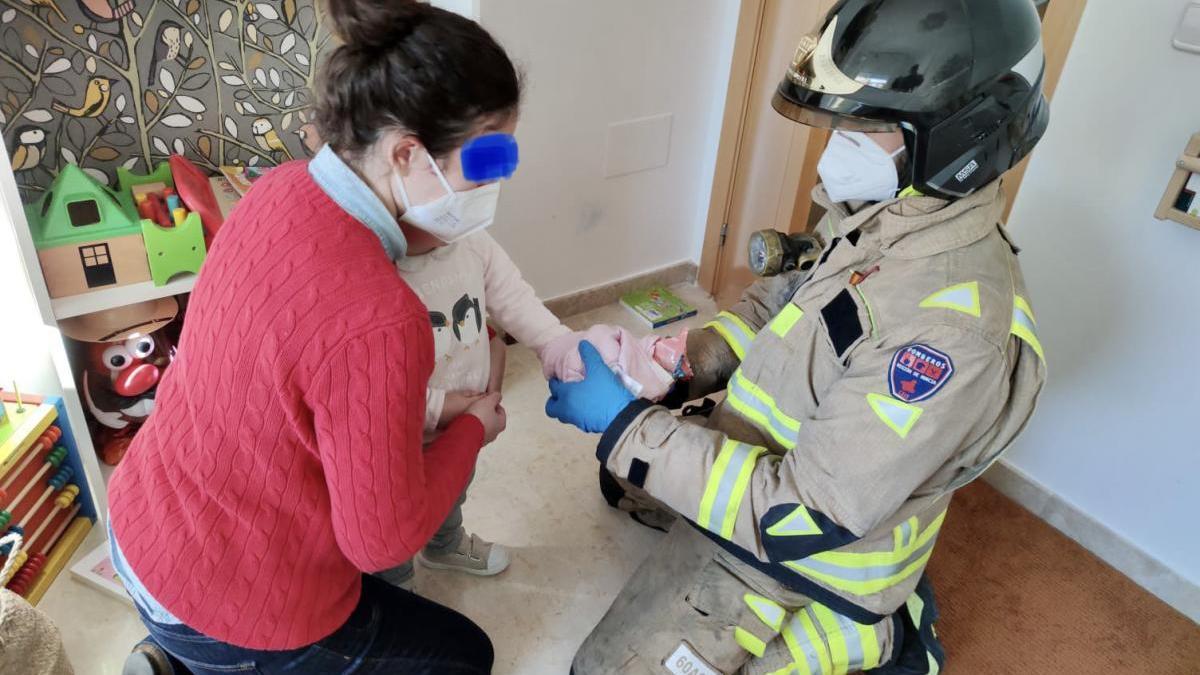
854,168
454,215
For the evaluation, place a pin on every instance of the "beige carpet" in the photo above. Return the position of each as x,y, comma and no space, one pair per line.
1016,596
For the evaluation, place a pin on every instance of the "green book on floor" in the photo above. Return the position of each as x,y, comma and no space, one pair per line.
657,306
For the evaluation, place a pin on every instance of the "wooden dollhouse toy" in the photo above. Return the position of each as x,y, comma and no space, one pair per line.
85,238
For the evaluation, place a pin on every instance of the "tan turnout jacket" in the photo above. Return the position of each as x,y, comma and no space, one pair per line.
858,398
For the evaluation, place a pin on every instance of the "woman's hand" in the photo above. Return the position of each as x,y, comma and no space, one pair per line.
489,411
456,404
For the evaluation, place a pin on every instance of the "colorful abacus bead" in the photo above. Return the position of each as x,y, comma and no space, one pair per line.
60,479
67,496
17,564
24,578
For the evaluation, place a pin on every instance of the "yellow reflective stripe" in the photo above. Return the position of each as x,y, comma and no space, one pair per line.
871,572
916,607
838,656
749,641
934,668
896,414
786,319
870,314
735,332
804,657
767,611
814,639
1024,325
959,297
910,191
758,406
739,490
726,485
870,645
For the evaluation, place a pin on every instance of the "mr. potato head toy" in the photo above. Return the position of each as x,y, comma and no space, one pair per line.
127,355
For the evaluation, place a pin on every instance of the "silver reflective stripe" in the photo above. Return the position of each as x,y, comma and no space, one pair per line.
1022,319
866,573
780,430
906,533
854,648
810,650
740,454
735,330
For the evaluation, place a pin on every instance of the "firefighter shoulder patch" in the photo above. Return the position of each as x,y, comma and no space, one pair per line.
917,372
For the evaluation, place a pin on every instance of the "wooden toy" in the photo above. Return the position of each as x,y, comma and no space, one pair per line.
85,237
42,491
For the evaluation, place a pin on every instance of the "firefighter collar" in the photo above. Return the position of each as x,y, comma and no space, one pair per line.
920,226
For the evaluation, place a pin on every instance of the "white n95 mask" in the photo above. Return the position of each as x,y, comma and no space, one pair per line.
854,168
454,215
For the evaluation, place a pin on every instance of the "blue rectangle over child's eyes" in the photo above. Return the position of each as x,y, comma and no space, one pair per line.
490,157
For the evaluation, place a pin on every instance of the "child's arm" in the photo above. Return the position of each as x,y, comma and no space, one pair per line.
435,401
511,301
499,354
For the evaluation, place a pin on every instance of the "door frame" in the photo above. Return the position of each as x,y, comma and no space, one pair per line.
747,39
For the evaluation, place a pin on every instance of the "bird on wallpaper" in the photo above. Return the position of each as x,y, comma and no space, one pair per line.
309,137
166,47
31,147
102,12
267,139
95,99
51,5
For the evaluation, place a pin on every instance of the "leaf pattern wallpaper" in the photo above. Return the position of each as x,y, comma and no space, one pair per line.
109,83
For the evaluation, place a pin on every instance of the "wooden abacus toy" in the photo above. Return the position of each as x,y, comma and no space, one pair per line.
43,494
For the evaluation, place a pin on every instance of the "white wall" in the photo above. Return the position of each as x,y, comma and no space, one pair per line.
1117,293
589,64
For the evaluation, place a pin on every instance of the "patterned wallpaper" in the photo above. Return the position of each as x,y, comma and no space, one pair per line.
108,83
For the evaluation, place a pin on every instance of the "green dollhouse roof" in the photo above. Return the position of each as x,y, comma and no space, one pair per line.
77,209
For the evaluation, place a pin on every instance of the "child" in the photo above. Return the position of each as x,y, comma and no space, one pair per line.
463,284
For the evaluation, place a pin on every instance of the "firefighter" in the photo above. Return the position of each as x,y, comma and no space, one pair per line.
860,393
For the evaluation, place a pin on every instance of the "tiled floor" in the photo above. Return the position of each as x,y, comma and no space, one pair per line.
535,491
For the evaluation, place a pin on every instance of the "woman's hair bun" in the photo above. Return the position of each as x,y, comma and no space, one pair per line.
368,24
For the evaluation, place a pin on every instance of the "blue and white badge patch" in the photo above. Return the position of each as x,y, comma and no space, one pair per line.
918,372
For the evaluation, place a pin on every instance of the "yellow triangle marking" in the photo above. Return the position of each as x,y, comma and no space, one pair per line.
959,297
898,415
797,523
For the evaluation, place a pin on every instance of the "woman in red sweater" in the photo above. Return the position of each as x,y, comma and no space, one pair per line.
284,461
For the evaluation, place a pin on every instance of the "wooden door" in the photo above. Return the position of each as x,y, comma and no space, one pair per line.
766,164
761,155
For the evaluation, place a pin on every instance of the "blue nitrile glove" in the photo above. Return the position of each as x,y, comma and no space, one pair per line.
593,403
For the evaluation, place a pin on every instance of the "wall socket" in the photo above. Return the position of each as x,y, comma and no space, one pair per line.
638,145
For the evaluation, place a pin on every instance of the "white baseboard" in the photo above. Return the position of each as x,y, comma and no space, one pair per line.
1144,569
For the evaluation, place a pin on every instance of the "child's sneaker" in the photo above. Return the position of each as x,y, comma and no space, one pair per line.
473,556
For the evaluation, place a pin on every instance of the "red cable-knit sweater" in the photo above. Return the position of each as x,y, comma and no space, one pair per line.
284,455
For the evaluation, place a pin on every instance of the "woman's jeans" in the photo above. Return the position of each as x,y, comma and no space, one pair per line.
390,631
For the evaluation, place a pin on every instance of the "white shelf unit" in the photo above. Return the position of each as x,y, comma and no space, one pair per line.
53,310
96,301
